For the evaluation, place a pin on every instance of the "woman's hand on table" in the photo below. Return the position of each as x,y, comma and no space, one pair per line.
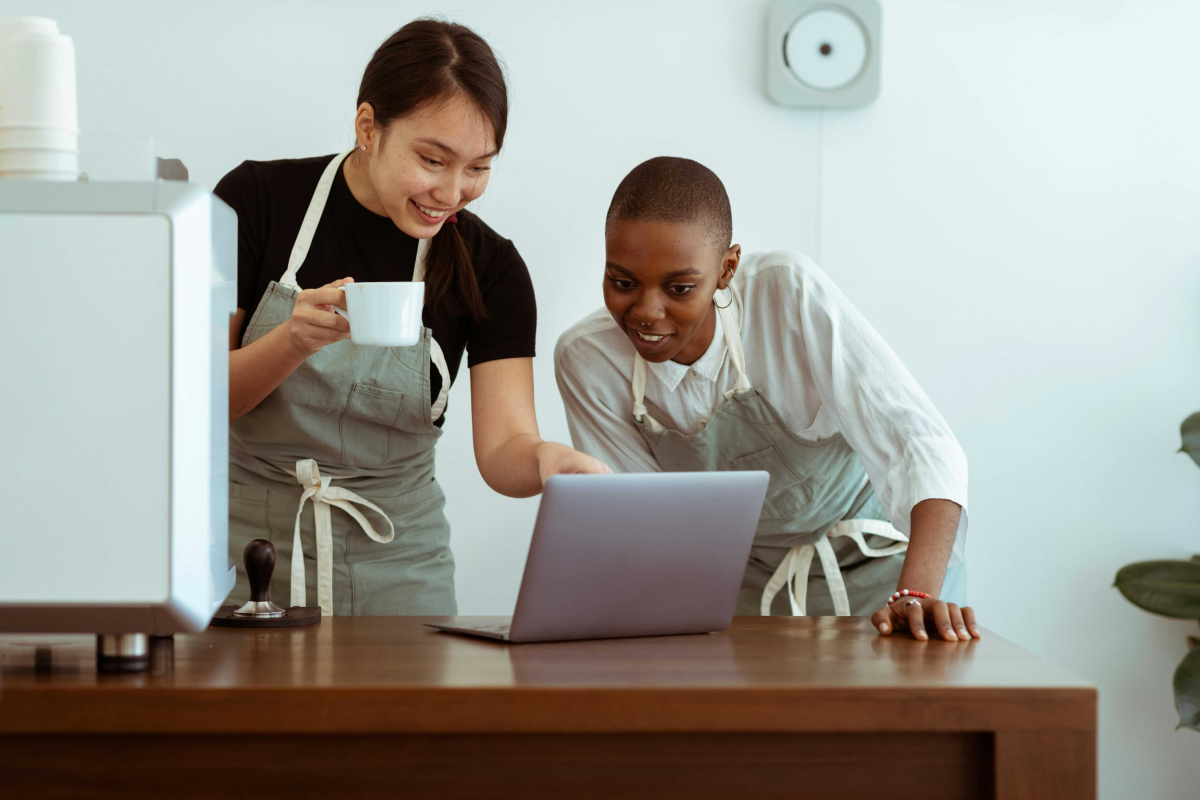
920,614
314,323
558,459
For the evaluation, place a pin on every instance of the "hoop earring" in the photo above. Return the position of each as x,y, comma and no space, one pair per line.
718,305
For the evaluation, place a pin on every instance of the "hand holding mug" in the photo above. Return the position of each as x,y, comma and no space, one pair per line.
384,313
314,322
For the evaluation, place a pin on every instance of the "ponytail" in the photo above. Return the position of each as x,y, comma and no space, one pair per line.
450,283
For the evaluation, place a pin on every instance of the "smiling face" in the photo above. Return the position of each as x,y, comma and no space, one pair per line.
659,281
422,167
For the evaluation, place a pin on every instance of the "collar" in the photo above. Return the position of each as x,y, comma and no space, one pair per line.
671,373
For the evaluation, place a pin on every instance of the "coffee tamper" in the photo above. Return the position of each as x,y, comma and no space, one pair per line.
259,611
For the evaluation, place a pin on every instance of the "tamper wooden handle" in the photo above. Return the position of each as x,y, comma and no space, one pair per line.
259,557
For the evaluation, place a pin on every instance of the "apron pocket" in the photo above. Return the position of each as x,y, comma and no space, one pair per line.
366,423
787,493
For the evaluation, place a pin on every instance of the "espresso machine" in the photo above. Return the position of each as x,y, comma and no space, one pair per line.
114,409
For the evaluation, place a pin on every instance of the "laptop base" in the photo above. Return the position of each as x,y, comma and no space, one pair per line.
497,630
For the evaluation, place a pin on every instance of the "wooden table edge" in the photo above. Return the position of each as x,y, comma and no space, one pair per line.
474,710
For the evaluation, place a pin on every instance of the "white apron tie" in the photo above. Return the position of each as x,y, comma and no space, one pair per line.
318,489
793,570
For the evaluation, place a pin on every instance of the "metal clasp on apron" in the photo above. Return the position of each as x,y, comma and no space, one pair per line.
793,570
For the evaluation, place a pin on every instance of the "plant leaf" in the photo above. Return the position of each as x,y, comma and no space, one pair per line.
1170,588
1189,432
1186,684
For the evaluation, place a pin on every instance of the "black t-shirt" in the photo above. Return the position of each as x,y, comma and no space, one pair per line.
270,198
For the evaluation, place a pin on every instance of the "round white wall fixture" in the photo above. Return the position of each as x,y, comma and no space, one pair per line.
826,49
823,53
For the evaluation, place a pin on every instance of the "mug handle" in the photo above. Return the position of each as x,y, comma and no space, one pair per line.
337,310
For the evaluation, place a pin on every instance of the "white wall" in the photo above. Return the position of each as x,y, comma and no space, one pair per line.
1018,214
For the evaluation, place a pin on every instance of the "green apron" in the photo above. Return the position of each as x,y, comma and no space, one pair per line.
819,501
351,429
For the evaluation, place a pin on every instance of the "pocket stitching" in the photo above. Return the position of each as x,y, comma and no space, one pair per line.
384,393
387,441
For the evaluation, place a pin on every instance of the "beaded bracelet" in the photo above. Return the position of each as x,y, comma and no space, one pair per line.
908,593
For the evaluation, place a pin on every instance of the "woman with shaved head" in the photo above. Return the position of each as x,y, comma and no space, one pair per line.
706,359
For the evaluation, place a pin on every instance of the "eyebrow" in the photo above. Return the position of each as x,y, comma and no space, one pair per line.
447,148
679,273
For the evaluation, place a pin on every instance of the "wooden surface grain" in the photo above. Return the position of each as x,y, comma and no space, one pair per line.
394,675
382,707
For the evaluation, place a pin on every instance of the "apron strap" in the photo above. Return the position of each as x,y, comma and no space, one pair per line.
733,340
318,489
419,266
435,349
439,361
793,570
308,228
639,393
312,218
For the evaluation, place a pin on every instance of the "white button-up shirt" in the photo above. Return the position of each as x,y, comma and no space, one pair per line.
817,360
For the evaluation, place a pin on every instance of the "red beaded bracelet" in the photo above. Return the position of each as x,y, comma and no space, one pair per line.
908,593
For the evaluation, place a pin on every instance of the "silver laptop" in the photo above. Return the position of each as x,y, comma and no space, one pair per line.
642,554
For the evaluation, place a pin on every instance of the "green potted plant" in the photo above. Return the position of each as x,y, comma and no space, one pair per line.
1172,589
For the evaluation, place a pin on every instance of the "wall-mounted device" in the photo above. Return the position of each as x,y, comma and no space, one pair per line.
823,54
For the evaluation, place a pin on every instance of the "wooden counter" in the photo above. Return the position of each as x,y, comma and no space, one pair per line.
383,707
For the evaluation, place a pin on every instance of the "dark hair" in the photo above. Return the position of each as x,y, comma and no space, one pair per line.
428,60
668,189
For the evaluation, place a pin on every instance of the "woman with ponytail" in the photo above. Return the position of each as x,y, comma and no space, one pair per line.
332,444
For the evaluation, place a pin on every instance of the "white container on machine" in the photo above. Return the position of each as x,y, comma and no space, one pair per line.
38,175
16,26
19,136
39,119
30,159
39,82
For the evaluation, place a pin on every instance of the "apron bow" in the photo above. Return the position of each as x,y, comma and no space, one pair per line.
324,495
793,570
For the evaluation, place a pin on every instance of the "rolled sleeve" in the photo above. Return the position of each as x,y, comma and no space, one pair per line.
908,449
929,468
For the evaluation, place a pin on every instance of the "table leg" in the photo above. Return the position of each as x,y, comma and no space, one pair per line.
1045,765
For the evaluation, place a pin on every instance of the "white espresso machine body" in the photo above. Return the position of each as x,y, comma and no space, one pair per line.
114,406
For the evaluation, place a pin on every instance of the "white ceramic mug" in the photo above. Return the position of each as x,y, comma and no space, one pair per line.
384,314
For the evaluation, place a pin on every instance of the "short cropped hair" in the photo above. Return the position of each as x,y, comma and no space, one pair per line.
668,189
